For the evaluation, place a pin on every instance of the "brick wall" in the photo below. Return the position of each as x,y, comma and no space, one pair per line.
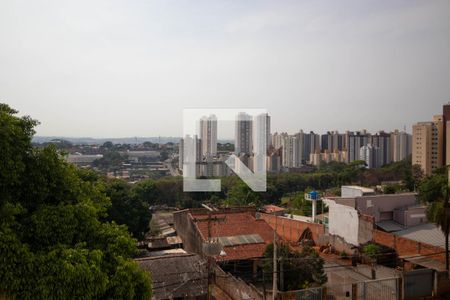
384,238
290,229
405,247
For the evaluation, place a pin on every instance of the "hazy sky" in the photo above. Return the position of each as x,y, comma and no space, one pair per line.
128,68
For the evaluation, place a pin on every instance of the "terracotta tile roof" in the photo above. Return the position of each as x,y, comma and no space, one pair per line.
233,224
272,208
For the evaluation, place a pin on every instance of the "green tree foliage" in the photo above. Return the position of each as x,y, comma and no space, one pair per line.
130,205
391,189
371,250
53,242
300,269
15,144
241,194
432,191
432,188
297,204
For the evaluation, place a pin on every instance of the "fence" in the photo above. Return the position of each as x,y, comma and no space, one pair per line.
305,294
411,285
386,289
418,284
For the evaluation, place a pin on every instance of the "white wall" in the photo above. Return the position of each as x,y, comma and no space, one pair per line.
343,221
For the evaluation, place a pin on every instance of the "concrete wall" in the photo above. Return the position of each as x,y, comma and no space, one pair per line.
411,217
343,221
349,191
291,230
236,288
365,229
188,231
415,216
399,216
374,205
339,244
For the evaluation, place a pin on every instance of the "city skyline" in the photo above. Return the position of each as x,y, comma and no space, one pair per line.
129,68
225,149
260,149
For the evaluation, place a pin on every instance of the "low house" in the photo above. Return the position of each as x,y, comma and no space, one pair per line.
240,238
177,276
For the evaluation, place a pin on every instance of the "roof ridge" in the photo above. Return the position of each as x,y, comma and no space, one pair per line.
164,256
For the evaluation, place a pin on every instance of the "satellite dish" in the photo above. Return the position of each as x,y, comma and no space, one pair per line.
212,248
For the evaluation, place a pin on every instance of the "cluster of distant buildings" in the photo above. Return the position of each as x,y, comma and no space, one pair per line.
137,163
431,142
290,152
310,148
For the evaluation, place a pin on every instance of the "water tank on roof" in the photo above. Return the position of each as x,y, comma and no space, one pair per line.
313,195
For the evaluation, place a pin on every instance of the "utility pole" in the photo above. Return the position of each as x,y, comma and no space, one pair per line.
208,259
446,223
281,274
264,285
275,273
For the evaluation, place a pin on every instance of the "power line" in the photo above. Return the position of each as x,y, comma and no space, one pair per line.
179,282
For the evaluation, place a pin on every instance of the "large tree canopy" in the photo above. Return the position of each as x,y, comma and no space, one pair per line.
53,242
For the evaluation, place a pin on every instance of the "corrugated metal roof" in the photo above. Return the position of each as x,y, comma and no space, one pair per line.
168,231
426,261
390,226
176,275
240,239
174,240
167,252
427,233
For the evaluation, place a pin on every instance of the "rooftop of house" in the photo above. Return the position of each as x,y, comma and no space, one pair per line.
388,195
347,190
364,190
241,234
427,233
166,252
390,225
176,275
352,201
272,208
164,242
